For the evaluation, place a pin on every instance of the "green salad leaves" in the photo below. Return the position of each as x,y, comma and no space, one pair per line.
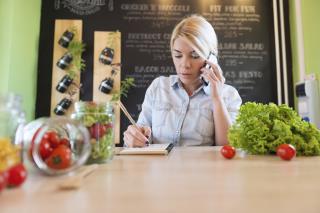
261,128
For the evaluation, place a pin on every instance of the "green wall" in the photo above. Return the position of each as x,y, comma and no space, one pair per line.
311,29
311,34
19,37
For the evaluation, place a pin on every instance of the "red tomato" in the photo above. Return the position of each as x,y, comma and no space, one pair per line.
286,151
45,149
97,130
53,138
3,180
65,141
60,158
16,175
228,151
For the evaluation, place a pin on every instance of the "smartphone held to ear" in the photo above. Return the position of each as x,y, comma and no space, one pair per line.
212,58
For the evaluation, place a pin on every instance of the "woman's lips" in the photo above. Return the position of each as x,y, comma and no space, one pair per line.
186,75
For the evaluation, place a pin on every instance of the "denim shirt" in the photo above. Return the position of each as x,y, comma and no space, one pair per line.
175,117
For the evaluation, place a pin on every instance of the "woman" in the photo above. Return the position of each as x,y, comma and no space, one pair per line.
181,109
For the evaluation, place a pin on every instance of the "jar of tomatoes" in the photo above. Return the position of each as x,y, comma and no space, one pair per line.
56,145
98,117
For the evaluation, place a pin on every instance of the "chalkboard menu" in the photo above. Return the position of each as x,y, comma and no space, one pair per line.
246,35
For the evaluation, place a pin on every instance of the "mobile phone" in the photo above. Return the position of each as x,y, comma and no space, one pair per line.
212,58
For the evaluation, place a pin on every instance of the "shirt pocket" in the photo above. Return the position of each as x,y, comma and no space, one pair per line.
159,113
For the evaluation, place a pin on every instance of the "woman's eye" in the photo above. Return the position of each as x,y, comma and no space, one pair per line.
195,56
178,56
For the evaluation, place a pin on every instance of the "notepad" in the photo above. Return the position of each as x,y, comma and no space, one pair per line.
152,149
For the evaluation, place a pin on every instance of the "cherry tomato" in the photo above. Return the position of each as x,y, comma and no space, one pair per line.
45,149
16,175
97,130
65,141
286,151
60,158
228,151
53,138
3,180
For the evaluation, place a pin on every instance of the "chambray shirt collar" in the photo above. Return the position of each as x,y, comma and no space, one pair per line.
176,83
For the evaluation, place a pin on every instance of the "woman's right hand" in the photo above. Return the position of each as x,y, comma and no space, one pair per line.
136,136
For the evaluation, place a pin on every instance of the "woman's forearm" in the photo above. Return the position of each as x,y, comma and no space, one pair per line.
222,122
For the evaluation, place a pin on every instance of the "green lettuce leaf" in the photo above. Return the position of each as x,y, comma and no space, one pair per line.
261,128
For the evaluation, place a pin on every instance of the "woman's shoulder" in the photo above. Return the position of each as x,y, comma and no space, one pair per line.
229,89
230,93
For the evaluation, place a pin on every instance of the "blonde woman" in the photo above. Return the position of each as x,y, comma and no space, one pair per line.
195,106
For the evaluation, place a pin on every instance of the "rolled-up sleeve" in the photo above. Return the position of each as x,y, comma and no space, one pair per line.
233,102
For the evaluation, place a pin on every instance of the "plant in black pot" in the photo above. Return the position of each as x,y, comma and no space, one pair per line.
106,84
106,56
67,37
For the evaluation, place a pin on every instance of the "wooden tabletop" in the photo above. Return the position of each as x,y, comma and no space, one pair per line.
191,179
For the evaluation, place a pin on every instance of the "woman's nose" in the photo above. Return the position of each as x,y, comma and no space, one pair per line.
185,62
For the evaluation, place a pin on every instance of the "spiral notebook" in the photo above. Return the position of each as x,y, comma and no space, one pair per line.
152,149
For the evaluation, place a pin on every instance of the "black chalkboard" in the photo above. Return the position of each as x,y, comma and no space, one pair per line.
245,29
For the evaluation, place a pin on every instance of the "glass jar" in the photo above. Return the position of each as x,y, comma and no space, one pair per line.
99,120
56,145
12,119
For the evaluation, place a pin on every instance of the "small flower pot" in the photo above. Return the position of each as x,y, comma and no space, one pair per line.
66,38
106,85
62,106
65,61
106,56
64,83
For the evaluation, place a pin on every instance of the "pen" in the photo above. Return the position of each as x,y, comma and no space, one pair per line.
125,111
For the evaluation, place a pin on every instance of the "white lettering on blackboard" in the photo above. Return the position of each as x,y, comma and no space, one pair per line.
250,74
215,8
139,7
146,69
240,9
143,36
251,46
174,7
83,7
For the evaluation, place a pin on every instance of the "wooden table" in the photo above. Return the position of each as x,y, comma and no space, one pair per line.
191,179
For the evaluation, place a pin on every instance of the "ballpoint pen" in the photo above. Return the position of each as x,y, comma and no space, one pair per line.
125,111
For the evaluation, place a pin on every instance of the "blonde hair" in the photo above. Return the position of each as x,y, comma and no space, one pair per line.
199,33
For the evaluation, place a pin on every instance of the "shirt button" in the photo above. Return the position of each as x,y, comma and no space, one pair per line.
177,131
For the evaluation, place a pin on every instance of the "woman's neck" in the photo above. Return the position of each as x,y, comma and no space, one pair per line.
190,88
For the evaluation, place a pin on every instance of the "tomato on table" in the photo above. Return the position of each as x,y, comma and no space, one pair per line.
60,158
286,151
16,175
228,151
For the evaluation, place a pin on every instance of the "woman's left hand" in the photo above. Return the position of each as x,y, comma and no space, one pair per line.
216,79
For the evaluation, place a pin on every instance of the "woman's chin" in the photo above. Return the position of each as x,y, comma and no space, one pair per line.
188,79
